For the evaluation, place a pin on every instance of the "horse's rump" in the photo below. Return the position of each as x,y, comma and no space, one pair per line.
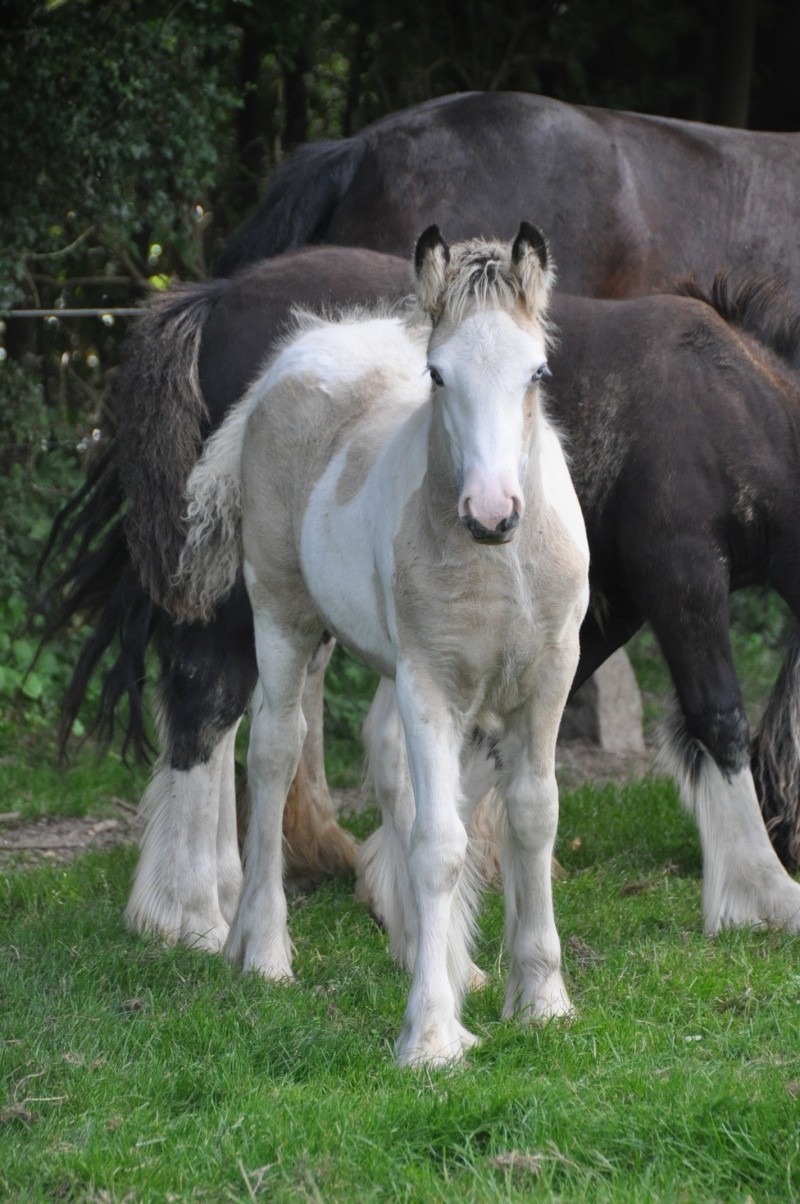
635,182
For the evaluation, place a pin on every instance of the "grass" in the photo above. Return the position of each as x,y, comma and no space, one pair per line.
89,786
133,1072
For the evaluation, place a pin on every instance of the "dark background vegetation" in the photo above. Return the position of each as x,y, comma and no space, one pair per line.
135,135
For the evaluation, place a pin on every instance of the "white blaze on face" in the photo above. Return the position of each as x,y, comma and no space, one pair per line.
487,366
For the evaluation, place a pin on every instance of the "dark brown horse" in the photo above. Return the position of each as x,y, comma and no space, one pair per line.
683,419
630,203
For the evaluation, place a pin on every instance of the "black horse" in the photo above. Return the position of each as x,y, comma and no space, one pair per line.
683,419
629,202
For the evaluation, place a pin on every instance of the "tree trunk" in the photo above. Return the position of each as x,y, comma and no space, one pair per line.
736,27
250,131
295,100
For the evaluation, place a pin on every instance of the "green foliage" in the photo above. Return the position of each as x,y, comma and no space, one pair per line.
349,690
118,118
638,54
39,448
132,1070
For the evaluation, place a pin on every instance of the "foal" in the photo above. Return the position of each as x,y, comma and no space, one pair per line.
397,482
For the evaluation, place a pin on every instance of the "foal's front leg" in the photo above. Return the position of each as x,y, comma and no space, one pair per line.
536,989
432,1033
259,937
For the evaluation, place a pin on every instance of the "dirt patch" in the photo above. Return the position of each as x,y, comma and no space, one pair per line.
579,762
59,839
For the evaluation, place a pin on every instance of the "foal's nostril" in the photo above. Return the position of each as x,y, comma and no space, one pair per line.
509,523
502,533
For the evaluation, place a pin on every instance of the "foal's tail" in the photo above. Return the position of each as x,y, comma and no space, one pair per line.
212,554
775,758
297,209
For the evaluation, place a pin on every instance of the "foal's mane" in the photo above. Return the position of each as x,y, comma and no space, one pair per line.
302,319
758,306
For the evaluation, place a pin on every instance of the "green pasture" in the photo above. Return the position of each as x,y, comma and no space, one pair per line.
130,1072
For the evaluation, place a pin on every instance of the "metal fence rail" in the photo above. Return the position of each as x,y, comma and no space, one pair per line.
109,311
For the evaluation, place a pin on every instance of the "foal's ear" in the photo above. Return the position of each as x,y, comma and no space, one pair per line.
531,261
530,239
431,258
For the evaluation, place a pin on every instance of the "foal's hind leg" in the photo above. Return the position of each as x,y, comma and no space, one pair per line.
382,879
382,875
744,883
316,847
229,864
259,936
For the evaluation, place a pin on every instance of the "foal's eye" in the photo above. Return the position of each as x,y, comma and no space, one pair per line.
436,376
541,372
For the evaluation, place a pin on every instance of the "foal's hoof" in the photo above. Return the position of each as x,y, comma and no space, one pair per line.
538,1002
271,959
205,939
766,900
434,1045
175,923
476,978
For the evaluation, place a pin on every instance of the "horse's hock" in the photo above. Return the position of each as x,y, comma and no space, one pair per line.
607,709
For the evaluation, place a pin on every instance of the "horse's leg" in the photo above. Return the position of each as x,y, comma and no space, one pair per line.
259,936
744,883
775,753
432,1032
177,891
600,639
316,846
535,988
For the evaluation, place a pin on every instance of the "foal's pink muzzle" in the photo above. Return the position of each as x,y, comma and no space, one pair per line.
490,515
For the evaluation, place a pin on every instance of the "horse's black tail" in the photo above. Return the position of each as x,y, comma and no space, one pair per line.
298,206
114,546
96,580
163,421
775,758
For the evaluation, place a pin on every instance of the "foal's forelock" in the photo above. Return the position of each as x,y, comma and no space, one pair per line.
484,275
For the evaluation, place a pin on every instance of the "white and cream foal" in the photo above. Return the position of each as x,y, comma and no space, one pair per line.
396,481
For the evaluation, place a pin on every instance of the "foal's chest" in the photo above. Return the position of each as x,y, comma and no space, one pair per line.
486,621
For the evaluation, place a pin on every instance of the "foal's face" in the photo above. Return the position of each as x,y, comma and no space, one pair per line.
486,372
